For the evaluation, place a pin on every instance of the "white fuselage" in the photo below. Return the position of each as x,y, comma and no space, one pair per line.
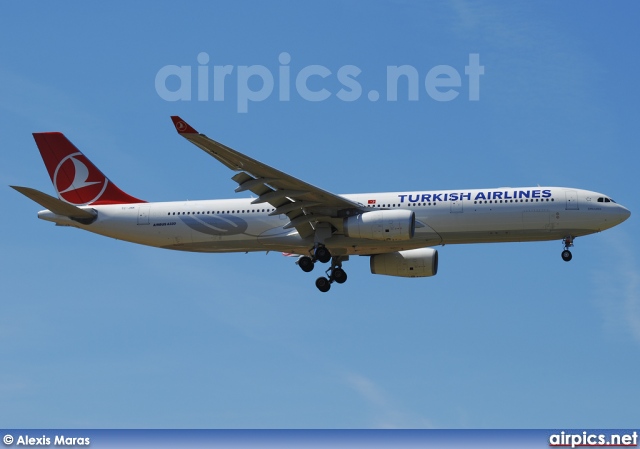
442,217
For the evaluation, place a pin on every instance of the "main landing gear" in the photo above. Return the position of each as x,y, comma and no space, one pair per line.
335,273
568,243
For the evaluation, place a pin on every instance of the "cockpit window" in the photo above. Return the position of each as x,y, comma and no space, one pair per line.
600,200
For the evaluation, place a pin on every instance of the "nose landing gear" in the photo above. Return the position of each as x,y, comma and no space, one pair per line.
568,243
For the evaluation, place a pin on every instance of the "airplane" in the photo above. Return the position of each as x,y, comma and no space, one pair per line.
396,230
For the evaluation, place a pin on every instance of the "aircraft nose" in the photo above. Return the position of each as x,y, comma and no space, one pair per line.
622,213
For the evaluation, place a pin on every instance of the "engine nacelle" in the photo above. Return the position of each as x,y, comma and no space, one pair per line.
413,263
381,225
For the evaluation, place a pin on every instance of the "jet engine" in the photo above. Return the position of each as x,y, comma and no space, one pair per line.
413,263
381,225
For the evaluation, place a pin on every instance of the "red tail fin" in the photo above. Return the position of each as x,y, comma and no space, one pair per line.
75,178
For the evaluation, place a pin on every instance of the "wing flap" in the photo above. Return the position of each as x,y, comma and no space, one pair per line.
251,184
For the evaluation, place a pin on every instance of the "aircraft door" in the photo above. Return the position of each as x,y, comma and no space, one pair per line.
572,200
143,215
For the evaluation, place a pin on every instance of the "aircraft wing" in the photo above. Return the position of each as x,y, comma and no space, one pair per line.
303,203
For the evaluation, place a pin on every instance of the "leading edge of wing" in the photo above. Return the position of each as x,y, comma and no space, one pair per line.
281,181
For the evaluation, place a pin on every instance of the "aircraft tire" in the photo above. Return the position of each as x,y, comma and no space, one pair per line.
306,264
339,275
323,284
323,254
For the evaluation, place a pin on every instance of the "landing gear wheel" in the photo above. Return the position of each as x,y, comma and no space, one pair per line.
566,255
339,275
323,284
306,264
322,254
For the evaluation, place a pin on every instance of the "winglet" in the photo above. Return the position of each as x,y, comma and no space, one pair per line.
181,126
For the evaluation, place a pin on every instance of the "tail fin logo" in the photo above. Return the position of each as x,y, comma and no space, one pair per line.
181,126
74,182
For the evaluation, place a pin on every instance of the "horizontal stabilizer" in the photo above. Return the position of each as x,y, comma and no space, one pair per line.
57,206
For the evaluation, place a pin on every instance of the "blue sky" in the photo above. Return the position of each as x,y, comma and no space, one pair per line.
96,332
